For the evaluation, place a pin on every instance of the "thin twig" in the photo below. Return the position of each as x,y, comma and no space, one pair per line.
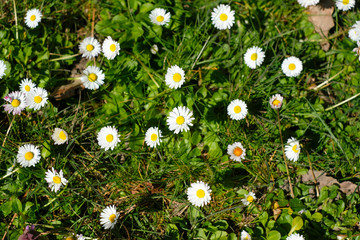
16,22
9,226
312,172
341,103
7,132
327,81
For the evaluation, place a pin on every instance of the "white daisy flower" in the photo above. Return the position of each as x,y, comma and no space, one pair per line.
108,217
153,137
110,48
26,85
28,155
292,66
237,109
59,136
245,235
199,194
90,47
32,18
92,77
222,17
16,102
180,119
80,237
254,57
2,68
154,49
295,236
175,77
249,198
37,98
108,137
55,179
354,34
357,50
292,149
276,101
159,16
236,151
345,4
306,3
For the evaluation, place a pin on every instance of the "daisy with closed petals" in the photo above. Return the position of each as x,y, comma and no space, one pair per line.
345,5
153,137
55,179
2,68
90,47
254,57
292,66
159,16
237,109
199,194
295,236
108,138
276,101
16,102
154,49
249,198
180,119
222,17
110,48
28,155
37,98
26,85
32,18
236,151
307,3
92,77
59,136
357,50
245,235
108,217
175,77
292,149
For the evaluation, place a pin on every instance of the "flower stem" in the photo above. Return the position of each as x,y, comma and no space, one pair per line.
16,22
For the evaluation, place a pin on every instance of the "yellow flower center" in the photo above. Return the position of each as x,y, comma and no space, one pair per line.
37,99
294,148
27,88
345,2
237,109
276,102
159,18
250,199
62,135
89,47
177,77
32,18
112,47
92,77
180,120
69,238
200,193
153,137
238,151
15,103
292,66
254,56
109,138
223,17
56,179
112,218
29,155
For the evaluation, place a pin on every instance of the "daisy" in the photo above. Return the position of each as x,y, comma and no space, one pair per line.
199,194
153,136
295,236
254,57
26,85
108,217
2,68
245,235
222,17
237,109
180,119
16,102
55,179
159,16
32,18
292,66
357,50
59,136
92,77
236,151
354,34
154,49
80,237
108,138
175,77
306,3
345,4
276,101
292,149
90,47
110,48
28,155
37,98
249,198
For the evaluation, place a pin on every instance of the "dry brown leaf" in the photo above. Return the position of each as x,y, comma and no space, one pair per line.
66,91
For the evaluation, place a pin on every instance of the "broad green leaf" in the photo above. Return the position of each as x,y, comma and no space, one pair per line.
273,235
296,225
45,152
219,235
